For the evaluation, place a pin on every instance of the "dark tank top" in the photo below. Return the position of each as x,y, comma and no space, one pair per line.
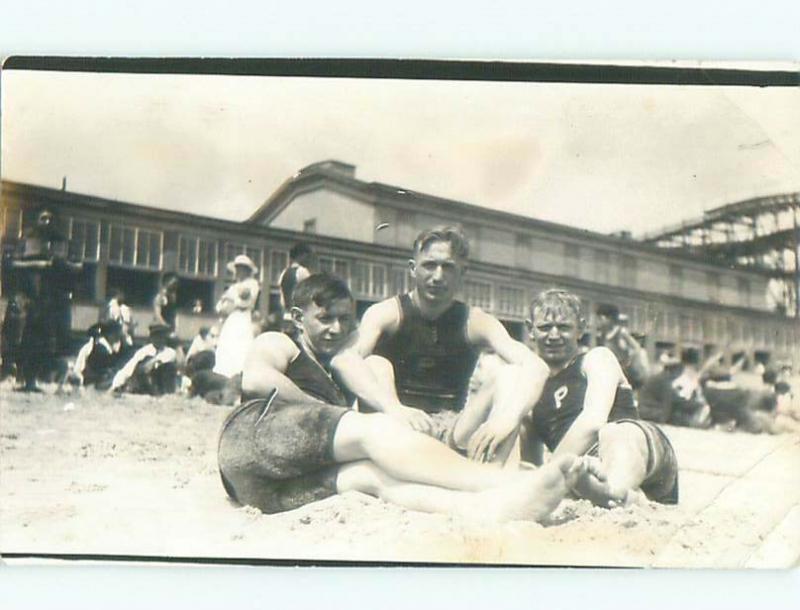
433,360
314,380
562,402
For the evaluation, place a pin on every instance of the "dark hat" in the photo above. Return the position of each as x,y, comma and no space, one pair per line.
608,310
159,329
110,327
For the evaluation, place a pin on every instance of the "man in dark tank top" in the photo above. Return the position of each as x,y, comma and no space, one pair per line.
587,407
297,441
433,341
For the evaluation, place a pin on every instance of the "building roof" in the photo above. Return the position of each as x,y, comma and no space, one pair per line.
340,177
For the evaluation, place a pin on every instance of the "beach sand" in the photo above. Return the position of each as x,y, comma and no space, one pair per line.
95,475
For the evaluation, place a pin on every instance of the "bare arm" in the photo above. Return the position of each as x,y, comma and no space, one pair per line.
603,375
265,369
528,370
518,385
351,367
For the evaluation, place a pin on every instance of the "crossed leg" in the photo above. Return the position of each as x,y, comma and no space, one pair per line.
383,458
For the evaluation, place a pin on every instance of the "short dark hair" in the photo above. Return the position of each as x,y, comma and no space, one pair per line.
608,310
299,251
321,289
448,234
204,330
770,376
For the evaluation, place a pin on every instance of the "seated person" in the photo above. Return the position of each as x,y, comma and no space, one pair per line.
300,442
430,343
200,356
587,407
152,369
101,356
674,395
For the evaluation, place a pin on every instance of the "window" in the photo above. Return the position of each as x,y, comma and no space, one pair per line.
511,300
368,279
197,256
478,294
675,279
335,266
572,262
628,271
310,225
234,250
378,286
84,240
359,280
278,261
135,247
743,284
713,284
398,280
602,264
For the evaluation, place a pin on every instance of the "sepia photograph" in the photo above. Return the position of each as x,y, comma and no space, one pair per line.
400,312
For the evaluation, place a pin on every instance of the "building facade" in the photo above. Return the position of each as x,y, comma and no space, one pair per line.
363,231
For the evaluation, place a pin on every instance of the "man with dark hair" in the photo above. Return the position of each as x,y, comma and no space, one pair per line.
587,407
613,335
432,342
299,442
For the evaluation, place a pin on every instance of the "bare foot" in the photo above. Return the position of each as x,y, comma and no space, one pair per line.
592,485
533,495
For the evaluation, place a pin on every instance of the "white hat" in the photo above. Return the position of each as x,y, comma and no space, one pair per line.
242,260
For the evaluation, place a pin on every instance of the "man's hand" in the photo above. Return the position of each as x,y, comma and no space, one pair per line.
483,445
416,419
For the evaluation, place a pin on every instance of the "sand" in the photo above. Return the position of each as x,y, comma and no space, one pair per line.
137,476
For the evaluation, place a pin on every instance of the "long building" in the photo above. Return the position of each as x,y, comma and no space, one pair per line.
363,232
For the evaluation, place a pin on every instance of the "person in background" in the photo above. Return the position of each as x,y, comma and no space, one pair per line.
612,333
11,338
674,395
301,257
201,352
48,279
165,303
119,311
197,306
237,305
152,369
101,356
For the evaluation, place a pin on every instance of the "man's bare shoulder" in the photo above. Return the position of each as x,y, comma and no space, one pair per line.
383,314
273,341
600,358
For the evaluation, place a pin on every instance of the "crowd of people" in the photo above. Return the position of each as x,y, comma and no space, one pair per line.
426,401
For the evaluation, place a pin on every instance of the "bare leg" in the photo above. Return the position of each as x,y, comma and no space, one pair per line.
623,454
498,384
407,455
531,496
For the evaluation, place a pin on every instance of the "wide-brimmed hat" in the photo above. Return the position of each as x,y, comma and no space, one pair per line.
242,260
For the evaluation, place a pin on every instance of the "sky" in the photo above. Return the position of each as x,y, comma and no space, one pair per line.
599,157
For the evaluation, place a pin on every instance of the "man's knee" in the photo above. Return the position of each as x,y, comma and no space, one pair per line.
620,432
